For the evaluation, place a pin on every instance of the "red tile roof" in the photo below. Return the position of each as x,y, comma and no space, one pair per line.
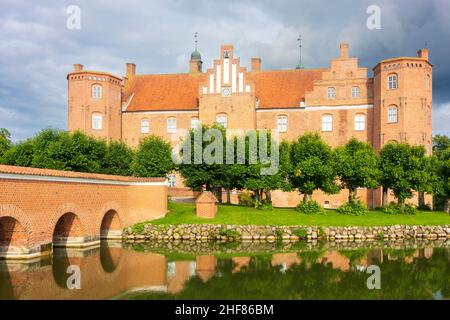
72,174
283,88
274,89
164,91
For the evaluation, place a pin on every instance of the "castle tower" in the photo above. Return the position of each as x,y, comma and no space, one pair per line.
94,103
403,101
195,64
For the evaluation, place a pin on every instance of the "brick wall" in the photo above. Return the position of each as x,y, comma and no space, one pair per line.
38,207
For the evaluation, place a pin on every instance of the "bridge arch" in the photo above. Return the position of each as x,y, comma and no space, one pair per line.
14,230
68,229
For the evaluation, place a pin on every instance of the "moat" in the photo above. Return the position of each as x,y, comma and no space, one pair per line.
153,270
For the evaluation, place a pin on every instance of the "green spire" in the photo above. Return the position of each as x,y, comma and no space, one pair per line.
196,54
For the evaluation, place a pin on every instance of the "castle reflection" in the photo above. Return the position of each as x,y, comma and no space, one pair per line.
111,271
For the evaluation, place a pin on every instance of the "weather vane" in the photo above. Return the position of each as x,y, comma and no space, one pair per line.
196,39
300,64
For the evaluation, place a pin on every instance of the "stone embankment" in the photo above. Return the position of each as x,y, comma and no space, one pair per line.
230,233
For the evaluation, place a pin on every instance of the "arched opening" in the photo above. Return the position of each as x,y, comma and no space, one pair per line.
110,255
111,226
67,230
13,236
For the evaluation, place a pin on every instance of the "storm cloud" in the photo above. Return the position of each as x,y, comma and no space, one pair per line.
37,50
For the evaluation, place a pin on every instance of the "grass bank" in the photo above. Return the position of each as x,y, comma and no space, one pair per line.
184,213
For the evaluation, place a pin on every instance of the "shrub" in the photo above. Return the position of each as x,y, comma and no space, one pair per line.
309,207
138,228
354,208
395,208
300,232
279,233
424,207
264,205
229,233
380,235
246,199
322,235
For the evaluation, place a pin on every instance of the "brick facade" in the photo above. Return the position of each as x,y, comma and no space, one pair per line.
40,208
339,102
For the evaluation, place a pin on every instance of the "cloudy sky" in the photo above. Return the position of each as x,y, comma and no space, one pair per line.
37,49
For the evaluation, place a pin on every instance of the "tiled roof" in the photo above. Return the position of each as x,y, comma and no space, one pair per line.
164,91
283,88
206,197
72,174
274,89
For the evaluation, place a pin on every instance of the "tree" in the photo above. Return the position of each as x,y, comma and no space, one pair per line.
153,158
312,166
441,163
5,141
357,167
118,159
440,143
20,154
404,170
203,162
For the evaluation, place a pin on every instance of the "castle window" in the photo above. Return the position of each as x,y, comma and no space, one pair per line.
171,125
282,123
360,122
97,121
392,114
195,123
331,93
171,180
145,126
428,82
327,122
355,92
428,116
222,120
97,91
392,82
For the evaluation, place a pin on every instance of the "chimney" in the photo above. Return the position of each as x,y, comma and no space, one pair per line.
344,51
131,70
423,53
256,64
77,67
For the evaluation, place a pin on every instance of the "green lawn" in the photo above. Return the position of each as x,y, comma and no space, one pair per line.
183,213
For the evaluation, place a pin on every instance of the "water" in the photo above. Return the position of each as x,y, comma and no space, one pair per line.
409,270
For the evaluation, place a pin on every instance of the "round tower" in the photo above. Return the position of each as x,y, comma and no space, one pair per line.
403,101
94,103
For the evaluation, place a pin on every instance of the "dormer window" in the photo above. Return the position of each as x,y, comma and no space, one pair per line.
331,93
392,82
97,91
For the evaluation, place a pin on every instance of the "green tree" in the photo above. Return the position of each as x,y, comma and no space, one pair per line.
312,166
5,141
118,159
21,154
357,167
404,170
440,143
198,172
153,158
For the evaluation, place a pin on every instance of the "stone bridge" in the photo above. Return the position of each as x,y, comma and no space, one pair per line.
40,208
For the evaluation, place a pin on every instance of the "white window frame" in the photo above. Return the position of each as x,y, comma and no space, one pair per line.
392,114
331,93
360,121
171,180
356,92
392,81
327,122
195,123
145,126
172,125
96,91
222,119
282,123
97,121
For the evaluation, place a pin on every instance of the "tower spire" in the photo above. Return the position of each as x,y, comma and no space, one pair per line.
300,62
196,40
